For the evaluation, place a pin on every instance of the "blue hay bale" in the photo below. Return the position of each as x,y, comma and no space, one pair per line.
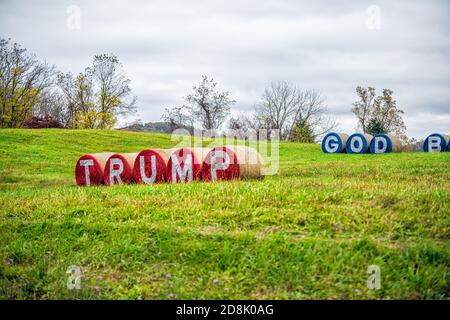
358,143
334,142
381,143
384,143
436,142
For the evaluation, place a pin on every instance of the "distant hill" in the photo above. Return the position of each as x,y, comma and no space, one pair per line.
160,127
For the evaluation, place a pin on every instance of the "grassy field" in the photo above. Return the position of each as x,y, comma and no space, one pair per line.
308,233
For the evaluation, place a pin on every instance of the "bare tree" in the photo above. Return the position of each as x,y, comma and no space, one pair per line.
52,104
22,80
241,125
209,105
277,106
311,119
293,111
79,93
97,96
177,117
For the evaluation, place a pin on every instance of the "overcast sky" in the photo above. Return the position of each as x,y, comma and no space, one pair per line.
331,46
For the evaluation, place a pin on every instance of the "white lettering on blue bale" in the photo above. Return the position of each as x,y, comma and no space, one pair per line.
356,144
434,144
86,164
331,144
380,144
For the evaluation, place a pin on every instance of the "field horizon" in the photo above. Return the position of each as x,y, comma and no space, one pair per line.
309,232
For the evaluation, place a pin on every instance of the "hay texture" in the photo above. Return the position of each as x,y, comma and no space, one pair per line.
150,166
184,164
436,142
334,142
232,162
385,143
90,167
358,143
119,168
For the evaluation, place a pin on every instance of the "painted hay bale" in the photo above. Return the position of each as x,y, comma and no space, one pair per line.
90,167
119,168
232,162
436,142
150,166
385,143
358,143
184,164
334,142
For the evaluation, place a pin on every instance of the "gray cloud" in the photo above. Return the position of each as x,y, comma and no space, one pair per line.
166,46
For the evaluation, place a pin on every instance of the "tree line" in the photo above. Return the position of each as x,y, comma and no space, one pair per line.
97,96
299,115
91,99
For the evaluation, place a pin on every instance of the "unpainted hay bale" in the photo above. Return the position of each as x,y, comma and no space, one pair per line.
436,142
334,142
358,143
184,164
232,162
150,166
119,168
385,143
90,167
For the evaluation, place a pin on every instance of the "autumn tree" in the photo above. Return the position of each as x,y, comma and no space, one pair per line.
23,79
97,96
113,95
378,114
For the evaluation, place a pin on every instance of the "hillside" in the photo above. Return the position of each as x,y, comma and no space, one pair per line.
309,232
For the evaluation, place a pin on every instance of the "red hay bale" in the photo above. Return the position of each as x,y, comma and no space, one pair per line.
150,166
89,169
221,163
187,162
119,168
232,162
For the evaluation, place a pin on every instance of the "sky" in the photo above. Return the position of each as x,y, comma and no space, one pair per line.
330,46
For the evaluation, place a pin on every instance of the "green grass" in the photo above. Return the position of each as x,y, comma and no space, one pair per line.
308,233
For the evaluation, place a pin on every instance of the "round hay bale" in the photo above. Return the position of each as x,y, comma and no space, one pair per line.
385,143
232,162
150,166
119,168
436,142
184,164
334,142
89,168
358,143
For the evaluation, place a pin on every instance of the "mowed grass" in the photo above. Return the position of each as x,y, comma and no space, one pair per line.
309,232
